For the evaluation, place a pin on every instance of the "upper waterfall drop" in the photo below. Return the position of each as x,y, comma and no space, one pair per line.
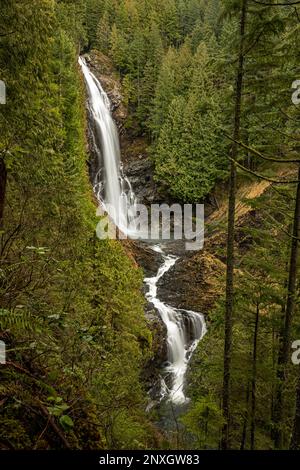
111,187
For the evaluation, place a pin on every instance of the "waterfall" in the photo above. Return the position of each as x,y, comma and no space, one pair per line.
184,331
112,188
113,191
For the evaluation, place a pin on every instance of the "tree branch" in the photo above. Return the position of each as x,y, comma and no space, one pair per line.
265,178
260,155
276,4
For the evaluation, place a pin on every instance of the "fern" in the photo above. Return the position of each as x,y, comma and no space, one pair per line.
20,320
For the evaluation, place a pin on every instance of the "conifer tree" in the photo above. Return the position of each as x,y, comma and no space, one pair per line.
103,33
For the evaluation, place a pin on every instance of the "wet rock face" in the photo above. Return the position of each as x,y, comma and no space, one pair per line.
146,258
193,283
159,339
140,173
96,160
152,370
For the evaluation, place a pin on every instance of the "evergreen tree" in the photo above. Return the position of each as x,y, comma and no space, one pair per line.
103,33
188,154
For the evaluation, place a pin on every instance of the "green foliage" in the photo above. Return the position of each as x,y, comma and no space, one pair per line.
204,421
173,80
58,409
188,153
93,11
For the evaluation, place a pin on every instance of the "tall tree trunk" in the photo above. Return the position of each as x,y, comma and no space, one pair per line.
229,303
253,383
284,350
3,176
295,439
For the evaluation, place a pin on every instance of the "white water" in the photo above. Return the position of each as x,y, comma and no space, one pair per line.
184,331
112,188
184,328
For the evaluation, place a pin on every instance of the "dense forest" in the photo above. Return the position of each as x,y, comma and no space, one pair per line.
208,88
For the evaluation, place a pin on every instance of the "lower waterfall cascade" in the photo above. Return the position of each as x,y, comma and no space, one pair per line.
184,331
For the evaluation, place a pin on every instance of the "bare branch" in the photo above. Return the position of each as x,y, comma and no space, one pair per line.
265,178
276,4
260,155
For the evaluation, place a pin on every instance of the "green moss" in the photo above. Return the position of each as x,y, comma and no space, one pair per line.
74,319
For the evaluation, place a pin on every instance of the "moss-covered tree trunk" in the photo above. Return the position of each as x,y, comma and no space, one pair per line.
246,417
